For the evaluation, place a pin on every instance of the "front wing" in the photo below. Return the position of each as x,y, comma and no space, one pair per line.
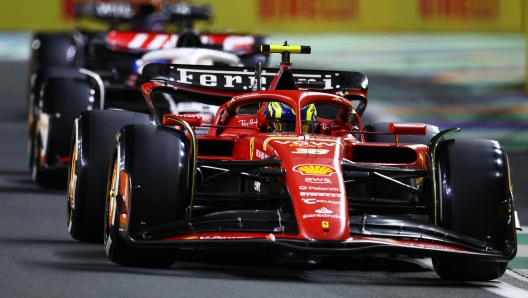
267,230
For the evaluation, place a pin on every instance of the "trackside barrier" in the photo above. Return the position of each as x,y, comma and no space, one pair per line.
297,16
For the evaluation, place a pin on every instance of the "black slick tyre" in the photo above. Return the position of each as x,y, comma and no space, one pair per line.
50,51
474,185
148,183
91,149
62,101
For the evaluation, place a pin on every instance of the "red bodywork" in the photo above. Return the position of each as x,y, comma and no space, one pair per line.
312,162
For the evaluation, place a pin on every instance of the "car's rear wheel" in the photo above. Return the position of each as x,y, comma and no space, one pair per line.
474,188
147,186
62,101
91,149
53,54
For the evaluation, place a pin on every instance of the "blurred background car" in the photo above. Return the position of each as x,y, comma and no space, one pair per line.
76,70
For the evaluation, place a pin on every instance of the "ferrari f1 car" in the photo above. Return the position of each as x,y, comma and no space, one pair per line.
77,71
287,166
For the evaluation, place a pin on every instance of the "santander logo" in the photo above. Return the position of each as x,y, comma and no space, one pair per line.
324,210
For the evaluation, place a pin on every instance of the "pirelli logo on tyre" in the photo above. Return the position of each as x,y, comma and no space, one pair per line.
314,169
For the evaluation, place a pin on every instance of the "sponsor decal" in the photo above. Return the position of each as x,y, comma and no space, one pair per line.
238,80
312,201
320,188
332,125
256,186
310,151
324,210
320,194
229,135
246,123
187,116
462,11
317,180
325,225
215,237
244,96
227,79
297,140
308,11
261,154
111,10
307,144
429,246
317,170
321,215
338,99
251,148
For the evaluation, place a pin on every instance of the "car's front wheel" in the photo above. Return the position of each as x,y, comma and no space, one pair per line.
91,149
147,186
475,201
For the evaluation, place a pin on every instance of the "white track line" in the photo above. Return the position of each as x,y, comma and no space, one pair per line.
495,286
501,288
516,275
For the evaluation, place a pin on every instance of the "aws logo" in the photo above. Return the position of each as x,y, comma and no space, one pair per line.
317,170
317,180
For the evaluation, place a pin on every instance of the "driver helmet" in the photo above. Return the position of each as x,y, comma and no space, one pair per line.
281,117
148,18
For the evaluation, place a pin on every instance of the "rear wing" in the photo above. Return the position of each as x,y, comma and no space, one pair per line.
214,85
120,11
226,82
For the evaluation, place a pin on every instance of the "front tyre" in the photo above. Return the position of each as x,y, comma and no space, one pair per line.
147,187
90,155
475,200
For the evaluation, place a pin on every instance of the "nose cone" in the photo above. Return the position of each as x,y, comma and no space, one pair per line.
316,186
319,201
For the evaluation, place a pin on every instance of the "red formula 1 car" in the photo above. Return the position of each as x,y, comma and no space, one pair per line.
287,166
80,70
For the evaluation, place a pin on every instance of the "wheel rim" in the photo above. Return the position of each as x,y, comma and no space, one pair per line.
111,206
31,131
36,158
40,145
72,186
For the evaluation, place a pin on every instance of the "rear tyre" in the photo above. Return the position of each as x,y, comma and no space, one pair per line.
51,52
474,183
147,186
62,101
91,149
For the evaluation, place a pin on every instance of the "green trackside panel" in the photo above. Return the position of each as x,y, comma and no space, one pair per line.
522,239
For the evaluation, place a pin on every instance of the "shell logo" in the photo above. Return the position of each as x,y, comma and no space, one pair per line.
314,170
